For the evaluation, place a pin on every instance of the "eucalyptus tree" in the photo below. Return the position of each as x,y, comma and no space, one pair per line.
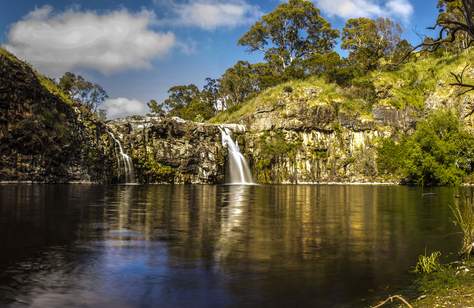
83,91
290,34
368,40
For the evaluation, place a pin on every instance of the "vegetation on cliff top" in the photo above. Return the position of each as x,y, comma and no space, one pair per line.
408,86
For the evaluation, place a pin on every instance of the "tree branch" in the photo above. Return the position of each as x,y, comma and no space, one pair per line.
391,298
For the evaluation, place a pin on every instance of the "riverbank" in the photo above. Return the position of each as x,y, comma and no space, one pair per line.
452,286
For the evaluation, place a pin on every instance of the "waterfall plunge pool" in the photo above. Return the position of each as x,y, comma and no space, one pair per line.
215,246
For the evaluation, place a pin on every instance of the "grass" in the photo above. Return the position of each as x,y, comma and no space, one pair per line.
408,86
310,93
46,82
415,81
428,264
450,286
463,212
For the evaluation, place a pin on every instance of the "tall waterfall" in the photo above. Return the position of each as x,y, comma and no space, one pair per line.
238,167
126,161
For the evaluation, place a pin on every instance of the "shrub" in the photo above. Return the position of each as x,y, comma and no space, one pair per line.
439,152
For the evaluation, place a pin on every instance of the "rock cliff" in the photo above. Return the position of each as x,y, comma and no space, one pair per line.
45,137
170,150
300,132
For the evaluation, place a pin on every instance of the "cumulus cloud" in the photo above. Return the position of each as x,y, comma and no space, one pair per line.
213,14
73,39
401,9
122,107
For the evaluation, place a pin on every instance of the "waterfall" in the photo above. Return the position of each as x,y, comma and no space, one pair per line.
238,167
126,161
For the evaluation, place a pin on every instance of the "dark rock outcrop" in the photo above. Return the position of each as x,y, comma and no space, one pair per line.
170,150
44,137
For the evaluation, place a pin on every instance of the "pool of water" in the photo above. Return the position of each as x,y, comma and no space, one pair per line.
215,246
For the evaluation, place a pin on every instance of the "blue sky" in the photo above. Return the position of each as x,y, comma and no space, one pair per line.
137,49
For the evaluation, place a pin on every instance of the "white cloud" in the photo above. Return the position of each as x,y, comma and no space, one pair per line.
121,107
213,14
401,9
73,39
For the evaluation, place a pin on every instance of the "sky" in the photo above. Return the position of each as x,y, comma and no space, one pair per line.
137,49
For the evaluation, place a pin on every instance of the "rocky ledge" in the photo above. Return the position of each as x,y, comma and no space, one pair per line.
171,150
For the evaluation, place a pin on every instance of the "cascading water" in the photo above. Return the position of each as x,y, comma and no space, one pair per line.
238,168
126,161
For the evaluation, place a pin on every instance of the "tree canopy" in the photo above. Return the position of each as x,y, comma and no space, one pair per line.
369,40
292,32
85,92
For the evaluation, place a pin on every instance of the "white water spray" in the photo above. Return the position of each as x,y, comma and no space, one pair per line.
127,162
238,167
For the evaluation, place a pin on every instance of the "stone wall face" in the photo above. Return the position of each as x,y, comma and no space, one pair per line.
170,150
317,147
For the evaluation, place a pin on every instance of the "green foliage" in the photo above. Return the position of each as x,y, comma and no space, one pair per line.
439,152
463,213
272,147
238,83
83,91
428,264
152,171
369,41
292,32
155,107
187,102
54,89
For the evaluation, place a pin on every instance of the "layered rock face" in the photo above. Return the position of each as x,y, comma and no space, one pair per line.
43,137
304,133
318,144
170,150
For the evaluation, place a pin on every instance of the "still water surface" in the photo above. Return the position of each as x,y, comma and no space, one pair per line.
214,246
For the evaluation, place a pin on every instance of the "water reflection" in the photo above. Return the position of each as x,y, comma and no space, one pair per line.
178,246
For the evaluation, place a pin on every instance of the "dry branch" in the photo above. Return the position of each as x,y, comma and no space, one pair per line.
391,298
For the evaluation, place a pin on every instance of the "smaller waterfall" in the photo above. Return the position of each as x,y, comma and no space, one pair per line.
126,161
238,167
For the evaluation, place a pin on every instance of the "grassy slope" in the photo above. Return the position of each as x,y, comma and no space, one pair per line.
410,85
46,82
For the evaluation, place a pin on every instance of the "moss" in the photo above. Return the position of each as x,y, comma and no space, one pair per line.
151,171
271,148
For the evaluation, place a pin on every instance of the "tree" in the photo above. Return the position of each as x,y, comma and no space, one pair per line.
238,83
455,23
455,20
370,40
293,31
85,92
210,92
156,108
187,102
180,97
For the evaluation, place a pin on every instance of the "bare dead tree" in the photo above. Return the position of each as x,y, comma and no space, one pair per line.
451,24
460,81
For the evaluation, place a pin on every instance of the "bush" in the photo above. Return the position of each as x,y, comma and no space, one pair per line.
439,152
